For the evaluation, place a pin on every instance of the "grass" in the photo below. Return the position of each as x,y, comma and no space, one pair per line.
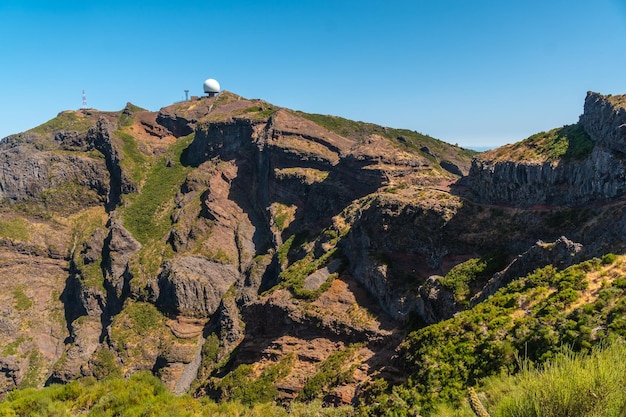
402,138
295,275
21,301
535,317
259,112
240,385
567,143
147,217
11,348
68,198
571,384
282,215
15,229
67,120
32,378
104,364
133,163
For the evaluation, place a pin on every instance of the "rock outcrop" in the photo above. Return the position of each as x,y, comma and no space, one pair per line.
223,231
598,175
194,286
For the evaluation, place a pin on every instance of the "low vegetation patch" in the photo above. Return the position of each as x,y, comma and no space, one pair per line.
337,369
147,216
459,278
240,385
67,120
133,163
15,229
21,301
567,143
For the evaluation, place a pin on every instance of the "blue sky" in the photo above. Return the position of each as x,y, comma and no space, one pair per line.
472,72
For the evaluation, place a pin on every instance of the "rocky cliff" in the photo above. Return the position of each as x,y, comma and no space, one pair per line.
224,237
569,166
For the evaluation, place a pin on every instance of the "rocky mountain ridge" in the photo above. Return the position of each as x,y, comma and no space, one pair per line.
227,238
596,173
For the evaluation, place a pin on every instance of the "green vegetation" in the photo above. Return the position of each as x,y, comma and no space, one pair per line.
15,229
260,112
21,301
11,348
141,395
569,385
144,317
239,385
403,138
68,197
84,225
283,214
567,143
133,163
147,216
334,371
104,364
32,378
67,120
535,317
218,255
126,116
137,320
295,275
459,278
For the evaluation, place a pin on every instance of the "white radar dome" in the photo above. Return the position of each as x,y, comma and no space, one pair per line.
211,86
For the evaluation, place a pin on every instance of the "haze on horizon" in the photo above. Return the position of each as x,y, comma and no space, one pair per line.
479,74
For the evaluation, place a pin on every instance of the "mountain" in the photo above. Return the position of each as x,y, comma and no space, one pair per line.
244,251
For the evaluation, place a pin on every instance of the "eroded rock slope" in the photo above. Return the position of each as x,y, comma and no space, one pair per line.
226,238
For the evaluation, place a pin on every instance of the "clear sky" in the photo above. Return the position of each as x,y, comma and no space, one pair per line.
472,72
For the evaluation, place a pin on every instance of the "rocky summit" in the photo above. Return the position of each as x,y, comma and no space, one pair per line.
224,242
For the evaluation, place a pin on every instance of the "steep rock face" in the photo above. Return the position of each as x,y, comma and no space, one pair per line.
391,258
119,246
193,286
599,176
26,171
604,119
101,137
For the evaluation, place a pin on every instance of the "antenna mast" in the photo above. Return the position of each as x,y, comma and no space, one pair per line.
84,100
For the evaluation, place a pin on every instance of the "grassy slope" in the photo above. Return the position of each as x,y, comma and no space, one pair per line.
407,139
567,143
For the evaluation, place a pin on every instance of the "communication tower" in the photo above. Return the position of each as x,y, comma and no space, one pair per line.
84,100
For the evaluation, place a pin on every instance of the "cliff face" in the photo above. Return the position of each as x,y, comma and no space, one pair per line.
596,175
223,232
